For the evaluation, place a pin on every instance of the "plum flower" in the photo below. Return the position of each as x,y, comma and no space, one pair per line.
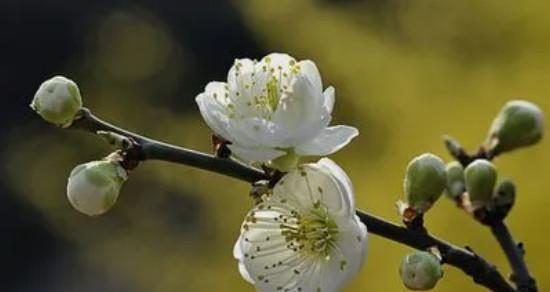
305,236
272,108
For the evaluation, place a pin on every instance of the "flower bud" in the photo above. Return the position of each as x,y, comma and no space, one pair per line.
57,101
455,179
420,271
519,124
93,187
480,177
505,195
425,180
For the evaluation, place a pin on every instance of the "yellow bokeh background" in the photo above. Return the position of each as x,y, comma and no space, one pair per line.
405,73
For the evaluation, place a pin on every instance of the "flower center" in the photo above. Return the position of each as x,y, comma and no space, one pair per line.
315,233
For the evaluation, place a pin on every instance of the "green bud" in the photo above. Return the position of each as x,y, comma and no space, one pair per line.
425,180
480,177
520,123
455,179
505,195
420,270
57,101
93,187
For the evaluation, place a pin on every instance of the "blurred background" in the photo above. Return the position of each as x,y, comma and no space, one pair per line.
405,73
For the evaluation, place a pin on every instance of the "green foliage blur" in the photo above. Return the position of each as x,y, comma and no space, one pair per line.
405,73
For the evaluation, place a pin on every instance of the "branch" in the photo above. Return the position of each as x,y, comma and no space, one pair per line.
156,150
514,254
481,271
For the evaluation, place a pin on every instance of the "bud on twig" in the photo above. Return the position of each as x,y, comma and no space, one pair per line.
480,177
93,187
455,180
57,101
504,197
520,123
420,270
425,180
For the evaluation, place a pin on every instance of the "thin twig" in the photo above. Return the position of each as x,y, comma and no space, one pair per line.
481,271
514,255
521,276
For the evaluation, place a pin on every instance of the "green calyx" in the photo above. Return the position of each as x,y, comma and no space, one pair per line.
287,162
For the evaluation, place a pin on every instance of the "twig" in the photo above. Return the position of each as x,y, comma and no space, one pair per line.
521,276
514,254
481,271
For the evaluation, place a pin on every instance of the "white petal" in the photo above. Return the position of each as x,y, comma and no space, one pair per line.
279,59
311,185
260,132
349,256
255,154
213,111
329,99
301,111
329,141
240,67
239,256
342,178
309,69
268,260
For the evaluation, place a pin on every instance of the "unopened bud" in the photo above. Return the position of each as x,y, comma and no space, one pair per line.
425,180
420,271
57,101
93,187
480,177
520,123
455,179
505,195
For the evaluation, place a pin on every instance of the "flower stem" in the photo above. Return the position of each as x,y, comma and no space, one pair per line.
481,271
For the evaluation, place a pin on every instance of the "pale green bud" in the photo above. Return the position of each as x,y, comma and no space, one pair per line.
505,195
425,180
93,187
480,177
520,123
420,271
57,101
455,179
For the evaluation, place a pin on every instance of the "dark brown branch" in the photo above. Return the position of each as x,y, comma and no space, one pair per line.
494,220
514,254
481,271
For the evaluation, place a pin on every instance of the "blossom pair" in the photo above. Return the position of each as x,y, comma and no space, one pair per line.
303,235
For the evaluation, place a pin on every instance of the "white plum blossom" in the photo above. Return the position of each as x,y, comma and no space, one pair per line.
305,236
273,107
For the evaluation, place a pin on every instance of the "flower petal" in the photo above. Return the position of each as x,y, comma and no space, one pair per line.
212,109
343,180
259,132
239,256
329,99
255,154
301,112
329,141
350,254
309,69
313,185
